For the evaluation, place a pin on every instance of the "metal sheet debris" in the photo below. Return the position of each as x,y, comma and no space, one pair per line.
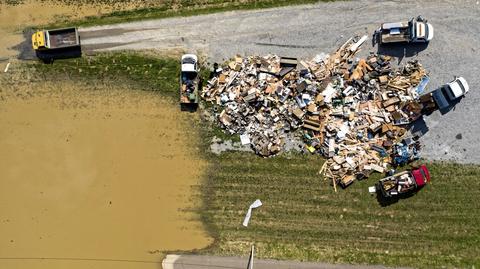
254,205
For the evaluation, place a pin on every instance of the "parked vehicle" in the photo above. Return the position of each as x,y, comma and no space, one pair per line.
417,30
450,92
55,39
189,80
402,183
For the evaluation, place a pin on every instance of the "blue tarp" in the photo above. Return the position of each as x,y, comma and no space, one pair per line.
420,89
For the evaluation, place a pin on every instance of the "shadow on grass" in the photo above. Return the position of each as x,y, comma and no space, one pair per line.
388,201
47,56
189,107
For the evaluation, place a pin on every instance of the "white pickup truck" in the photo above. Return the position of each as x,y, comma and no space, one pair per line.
449,92
417,30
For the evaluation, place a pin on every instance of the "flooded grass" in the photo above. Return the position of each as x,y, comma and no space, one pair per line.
95,172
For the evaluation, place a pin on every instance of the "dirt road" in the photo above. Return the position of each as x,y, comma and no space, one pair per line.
304,31
213,262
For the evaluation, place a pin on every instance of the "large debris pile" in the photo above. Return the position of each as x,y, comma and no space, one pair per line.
356,112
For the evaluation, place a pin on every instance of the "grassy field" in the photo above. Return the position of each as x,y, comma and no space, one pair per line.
164,9
159,74
302,217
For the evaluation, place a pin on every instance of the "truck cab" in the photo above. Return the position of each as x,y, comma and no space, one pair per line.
417,30
421,31
39,40
457,88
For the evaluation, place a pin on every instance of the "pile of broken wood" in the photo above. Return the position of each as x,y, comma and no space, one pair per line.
355,112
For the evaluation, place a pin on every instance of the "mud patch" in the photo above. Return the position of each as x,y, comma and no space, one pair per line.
95,178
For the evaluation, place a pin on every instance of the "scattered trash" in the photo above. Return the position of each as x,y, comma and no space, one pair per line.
245,139
6,68
255,204
355,112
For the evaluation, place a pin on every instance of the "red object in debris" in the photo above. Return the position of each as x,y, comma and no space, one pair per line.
421,175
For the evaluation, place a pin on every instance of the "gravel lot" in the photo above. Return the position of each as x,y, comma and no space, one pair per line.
304,31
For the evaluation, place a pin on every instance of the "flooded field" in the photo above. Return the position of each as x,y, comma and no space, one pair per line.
95,178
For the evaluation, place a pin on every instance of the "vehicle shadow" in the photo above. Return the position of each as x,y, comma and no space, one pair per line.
388,201
401,50
24,48
419,127
50,56
188,107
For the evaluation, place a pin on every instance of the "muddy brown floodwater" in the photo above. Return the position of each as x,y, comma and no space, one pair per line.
95,179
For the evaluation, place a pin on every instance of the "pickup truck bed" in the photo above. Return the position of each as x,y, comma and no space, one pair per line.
391,34
404,182
189,90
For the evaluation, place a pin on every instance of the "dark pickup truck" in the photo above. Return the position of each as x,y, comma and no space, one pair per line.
444,96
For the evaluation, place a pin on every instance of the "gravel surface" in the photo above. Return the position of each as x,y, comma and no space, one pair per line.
305,31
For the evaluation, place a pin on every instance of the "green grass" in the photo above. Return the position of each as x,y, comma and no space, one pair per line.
165,9
302,217
145,72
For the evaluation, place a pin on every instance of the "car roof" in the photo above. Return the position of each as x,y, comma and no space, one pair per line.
191,56
464,83
459,86
455,88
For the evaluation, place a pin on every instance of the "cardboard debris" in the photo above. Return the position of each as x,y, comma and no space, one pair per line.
355,112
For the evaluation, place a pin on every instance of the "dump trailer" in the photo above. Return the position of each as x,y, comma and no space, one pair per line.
189,80
416,30
48,40
402,183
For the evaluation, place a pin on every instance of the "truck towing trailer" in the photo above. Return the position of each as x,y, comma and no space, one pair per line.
47,40
416,30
